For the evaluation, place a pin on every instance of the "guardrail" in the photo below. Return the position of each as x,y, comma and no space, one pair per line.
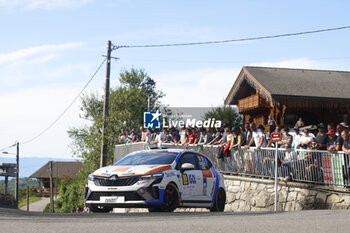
310,166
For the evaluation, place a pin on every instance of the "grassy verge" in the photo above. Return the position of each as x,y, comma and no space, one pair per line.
32,199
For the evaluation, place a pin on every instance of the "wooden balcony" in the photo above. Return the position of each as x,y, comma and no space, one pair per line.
252,102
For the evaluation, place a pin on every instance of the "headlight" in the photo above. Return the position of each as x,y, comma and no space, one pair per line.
156,176
91,177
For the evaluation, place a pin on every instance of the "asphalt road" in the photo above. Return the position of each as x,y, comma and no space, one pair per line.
305,221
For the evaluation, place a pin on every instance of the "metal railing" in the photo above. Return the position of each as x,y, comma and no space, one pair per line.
310,166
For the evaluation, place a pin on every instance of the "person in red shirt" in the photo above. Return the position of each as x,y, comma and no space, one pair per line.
190,137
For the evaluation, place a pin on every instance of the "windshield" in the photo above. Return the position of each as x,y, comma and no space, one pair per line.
148,159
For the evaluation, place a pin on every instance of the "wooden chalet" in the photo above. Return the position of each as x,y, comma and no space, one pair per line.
60,170
287,94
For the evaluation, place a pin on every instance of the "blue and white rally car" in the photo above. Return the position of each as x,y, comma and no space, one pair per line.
160,180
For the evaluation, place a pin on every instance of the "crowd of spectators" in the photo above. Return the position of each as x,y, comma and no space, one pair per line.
331,137
311,141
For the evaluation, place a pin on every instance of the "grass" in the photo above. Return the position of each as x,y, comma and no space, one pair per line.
32,199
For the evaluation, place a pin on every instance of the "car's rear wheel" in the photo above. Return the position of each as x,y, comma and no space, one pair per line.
100,209
219,202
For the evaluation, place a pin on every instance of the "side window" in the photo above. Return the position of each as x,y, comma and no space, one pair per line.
187,158
204,163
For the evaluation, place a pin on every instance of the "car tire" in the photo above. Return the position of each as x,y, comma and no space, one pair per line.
100,209
171,199
219,202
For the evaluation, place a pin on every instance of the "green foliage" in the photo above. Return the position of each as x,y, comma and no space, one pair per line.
127,103
227,114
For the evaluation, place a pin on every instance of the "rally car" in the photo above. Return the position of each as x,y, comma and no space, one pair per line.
160,180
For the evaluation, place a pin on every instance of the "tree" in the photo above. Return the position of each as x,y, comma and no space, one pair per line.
228,115
126,106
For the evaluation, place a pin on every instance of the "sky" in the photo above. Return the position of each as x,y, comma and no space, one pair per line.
50,48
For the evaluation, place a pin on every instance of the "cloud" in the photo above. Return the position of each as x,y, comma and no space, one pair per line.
43,4
17,55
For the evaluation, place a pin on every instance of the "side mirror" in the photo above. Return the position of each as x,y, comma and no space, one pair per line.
187,166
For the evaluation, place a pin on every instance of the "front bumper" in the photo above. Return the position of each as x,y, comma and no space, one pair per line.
140,193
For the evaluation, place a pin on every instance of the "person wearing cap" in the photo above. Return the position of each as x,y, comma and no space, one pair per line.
287,139
305,140
344,125
333,141
321,138
236,138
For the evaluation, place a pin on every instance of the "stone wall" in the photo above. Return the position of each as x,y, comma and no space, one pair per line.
249,194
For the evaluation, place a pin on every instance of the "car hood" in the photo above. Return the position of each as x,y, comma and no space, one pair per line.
132,170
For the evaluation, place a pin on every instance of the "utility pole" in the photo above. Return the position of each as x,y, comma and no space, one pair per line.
103,160
17,174
27,197
52,205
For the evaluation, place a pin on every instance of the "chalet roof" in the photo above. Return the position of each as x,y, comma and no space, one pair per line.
295,82
60,170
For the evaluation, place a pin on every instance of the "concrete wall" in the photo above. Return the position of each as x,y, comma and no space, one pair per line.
250,194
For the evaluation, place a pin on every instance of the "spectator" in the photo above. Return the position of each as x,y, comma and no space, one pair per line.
190,137
123,136
296,137
306,140
165,135
157,139
345,126
346,143
258,137
267,137
330,126
321,138
149,136
218,135
300,122
236,139
333,141
205,137
287,139
248,135
175,137
143,134
197,133
339,129
134,136
272,124
182,133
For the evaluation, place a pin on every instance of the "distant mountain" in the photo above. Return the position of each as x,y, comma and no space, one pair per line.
29,165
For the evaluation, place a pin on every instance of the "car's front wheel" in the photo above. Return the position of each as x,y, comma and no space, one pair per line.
100,209
170,201
219,202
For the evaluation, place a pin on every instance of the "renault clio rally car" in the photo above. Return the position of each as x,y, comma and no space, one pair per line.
160,180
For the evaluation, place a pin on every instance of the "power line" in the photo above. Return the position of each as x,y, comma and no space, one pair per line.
230,62
59,117
7,147
231,40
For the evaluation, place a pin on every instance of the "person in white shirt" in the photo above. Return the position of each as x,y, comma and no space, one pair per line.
258,137
296,137
306,139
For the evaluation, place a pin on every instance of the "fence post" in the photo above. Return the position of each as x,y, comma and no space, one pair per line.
276,189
